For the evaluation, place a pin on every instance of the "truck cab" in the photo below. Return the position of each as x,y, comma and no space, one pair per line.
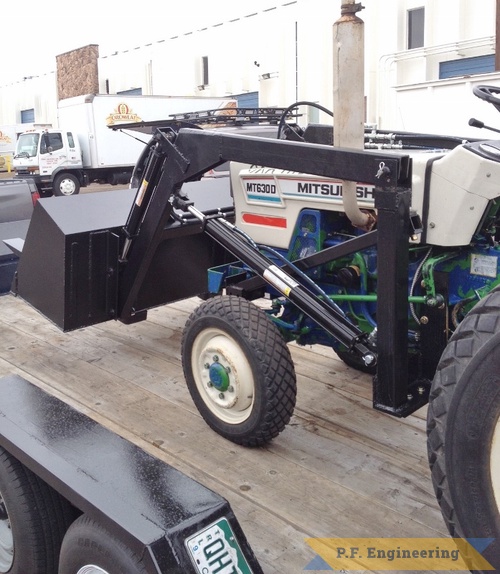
52,158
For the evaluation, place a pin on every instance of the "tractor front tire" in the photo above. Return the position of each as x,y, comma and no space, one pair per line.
463,428
238,370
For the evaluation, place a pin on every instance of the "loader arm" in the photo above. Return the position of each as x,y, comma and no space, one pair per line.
187,155
184,156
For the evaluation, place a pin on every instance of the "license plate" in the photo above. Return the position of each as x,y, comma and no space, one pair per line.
215,550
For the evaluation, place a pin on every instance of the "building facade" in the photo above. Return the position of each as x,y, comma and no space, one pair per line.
422,59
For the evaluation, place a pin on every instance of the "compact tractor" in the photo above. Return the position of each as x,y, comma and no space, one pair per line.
410,297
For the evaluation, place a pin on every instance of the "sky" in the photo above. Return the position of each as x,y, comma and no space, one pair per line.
51,27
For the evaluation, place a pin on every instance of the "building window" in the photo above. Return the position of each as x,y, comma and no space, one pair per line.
28,116
467,66
131,92
247,100
204,71
416,19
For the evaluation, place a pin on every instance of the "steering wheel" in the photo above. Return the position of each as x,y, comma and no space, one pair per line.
488,94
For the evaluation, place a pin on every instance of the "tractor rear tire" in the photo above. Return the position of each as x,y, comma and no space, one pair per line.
239,370
33,520
88,548
463,428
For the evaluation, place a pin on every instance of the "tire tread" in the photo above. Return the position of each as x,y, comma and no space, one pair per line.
48,524
273,354
88,542
474,331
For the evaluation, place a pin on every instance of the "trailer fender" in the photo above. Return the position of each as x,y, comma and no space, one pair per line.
148,507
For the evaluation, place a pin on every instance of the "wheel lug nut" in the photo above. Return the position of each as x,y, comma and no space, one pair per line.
221,396
216,358
230,389
207,366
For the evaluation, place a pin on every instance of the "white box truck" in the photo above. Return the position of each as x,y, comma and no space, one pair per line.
84,149
8,138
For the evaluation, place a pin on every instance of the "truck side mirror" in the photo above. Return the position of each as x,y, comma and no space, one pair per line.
45,146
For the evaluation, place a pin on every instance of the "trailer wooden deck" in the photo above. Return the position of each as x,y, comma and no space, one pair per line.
340,469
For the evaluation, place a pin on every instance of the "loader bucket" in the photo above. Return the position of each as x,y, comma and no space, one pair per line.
68,268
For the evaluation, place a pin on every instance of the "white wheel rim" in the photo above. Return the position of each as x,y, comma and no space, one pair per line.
6,539
223,376
91,569
495,463
67,186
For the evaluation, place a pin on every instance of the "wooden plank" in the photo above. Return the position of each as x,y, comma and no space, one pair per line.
339,469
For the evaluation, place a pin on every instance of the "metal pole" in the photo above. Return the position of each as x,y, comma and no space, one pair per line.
349,97
497,39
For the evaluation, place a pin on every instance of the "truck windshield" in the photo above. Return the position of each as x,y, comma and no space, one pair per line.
27,145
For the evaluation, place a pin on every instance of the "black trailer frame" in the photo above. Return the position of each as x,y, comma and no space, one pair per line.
148,505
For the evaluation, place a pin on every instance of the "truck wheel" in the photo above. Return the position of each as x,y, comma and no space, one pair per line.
66,184
33,520
238,370
88,548
463,428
